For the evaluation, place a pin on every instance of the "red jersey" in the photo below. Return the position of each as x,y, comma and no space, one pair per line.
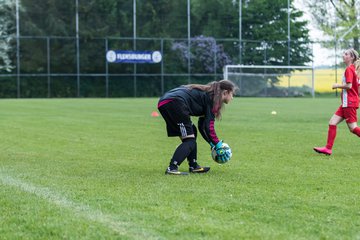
350,97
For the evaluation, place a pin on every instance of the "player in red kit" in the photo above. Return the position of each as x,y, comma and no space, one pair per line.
357,71
349,102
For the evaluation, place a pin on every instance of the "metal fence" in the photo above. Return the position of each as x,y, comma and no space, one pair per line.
43,70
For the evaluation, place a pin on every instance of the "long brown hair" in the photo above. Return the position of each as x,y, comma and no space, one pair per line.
357,68
354,54
215,90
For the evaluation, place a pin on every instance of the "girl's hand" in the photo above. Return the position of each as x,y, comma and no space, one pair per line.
335,85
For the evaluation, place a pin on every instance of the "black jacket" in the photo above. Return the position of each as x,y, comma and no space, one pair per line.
199,105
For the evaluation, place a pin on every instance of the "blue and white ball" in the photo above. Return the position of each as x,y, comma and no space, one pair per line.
225,147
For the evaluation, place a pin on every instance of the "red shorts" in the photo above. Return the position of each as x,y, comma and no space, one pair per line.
348,113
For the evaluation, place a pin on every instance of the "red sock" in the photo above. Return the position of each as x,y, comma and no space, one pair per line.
331,136
356,131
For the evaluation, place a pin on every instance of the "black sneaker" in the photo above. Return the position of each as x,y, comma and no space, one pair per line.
199,169
175,172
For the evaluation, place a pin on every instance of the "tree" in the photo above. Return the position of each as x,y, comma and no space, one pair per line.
48,18
162,18
265,31
215,18
7,29
335,17
206,56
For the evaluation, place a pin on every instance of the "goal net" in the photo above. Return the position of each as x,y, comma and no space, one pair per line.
272,81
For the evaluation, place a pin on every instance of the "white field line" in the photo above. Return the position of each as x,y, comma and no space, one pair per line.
122,228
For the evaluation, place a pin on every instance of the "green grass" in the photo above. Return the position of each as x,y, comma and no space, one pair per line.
94,169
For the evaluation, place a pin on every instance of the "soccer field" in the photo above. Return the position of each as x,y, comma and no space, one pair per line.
94,169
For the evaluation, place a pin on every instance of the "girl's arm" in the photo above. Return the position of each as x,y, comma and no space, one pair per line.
342,86
207,130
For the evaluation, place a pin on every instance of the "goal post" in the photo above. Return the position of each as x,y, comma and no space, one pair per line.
272,81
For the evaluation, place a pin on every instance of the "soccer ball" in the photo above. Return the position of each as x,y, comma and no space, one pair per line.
225,147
